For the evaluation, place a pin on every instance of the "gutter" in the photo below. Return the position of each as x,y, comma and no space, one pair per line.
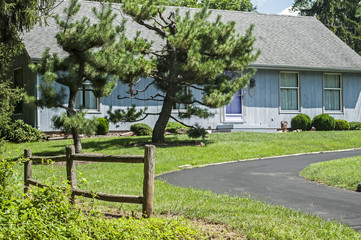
304,68
286,67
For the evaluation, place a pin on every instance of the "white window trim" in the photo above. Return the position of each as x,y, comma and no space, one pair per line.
333,89
180,110
298,93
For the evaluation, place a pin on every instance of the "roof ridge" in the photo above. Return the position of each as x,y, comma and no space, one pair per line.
213,10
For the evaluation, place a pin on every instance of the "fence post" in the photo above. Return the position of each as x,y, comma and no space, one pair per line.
28,169
148,184
71,171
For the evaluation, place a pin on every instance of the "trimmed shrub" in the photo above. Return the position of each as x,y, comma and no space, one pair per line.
19,131
342,125
102,126
323,122
141,129
172,127
355,125
301,121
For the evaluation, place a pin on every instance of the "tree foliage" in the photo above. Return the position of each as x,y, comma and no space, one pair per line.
98,54
194,56
15,17
341,17
236,5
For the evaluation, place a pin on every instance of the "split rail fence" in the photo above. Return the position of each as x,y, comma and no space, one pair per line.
148,183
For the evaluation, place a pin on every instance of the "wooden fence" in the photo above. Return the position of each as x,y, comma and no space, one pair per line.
148,184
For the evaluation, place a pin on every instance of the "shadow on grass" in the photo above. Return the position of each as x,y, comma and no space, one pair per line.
100,145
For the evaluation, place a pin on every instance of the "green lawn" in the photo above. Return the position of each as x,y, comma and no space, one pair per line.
342,173
250,218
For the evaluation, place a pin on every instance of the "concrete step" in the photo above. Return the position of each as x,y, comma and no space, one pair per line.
224,126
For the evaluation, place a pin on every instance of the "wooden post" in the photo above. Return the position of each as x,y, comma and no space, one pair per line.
28,169
71,171
148,184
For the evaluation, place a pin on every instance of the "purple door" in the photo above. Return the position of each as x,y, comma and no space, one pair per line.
234,110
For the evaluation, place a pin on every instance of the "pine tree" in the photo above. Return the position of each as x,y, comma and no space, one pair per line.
341,17
98,53
195,55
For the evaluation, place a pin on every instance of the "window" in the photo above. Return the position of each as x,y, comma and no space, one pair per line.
184,92
85,97
289,91
18,83
332,92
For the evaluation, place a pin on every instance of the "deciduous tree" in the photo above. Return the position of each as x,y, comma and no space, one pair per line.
15,17
341,17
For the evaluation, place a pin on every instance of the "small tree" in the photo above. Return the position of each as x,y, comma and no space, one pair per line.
97,54
195,54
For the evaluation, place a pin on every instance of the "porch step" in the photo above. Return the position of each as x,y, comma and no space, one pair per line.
225,126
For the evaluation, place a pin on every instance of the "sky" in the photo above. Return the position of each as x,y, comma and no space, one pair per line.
272,6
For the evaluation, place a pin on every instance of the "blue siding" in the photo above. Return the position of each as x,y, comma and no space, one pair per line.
261,104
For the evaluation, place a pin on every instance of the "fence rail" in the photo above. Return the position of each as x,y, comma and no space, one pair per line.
148,183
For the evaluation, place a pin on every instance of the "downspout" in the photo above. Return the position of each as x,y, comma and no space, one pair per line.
37,111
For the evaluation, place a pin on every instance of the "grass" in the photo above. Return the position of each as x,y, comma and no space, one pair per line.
250,218
342,173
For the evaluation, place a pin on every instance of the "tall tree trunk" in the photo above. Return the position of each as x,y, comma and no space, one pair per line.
161,124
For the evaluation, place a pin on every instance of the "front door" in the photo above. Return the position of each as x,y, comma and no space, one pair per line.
234,110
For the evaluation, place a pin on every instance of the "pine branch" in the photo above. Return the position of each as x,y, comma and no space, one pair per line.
146,88
178,121
153,28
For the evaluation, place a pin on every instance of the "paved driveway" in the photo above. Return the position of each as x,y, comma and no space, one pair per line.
277,181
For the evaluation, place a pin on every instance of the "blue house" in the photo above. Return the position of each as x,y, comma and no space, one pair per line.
303,68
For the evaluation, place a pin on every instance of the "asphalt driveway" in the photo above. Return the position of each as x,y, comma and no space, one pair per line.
277,181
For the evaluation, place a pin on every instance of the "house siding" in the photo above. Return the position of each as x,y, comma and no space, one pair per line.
29,84
261,107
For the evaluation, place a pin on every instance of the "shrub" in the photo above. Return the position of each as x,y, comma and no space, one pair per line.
102,126
197,132
141,129
323,122
355,125
174,126
19,131
342,125
301,121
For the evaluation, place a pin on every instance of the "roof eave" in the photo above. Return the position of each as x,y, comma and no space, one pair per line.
304,68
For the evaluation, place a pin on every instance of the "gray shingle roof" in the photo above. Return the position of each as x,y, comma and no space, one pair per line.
286,42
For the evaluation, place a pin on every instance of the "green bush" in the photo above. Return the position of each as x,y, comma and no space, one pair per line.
323,122
355,125
141,129
197,132
172,127
301,121
19,131
102,126
342,125
45,213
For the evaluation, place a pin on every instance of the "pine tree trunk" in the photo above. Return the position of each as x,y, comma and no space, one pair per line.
161,124
72,112
77,142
